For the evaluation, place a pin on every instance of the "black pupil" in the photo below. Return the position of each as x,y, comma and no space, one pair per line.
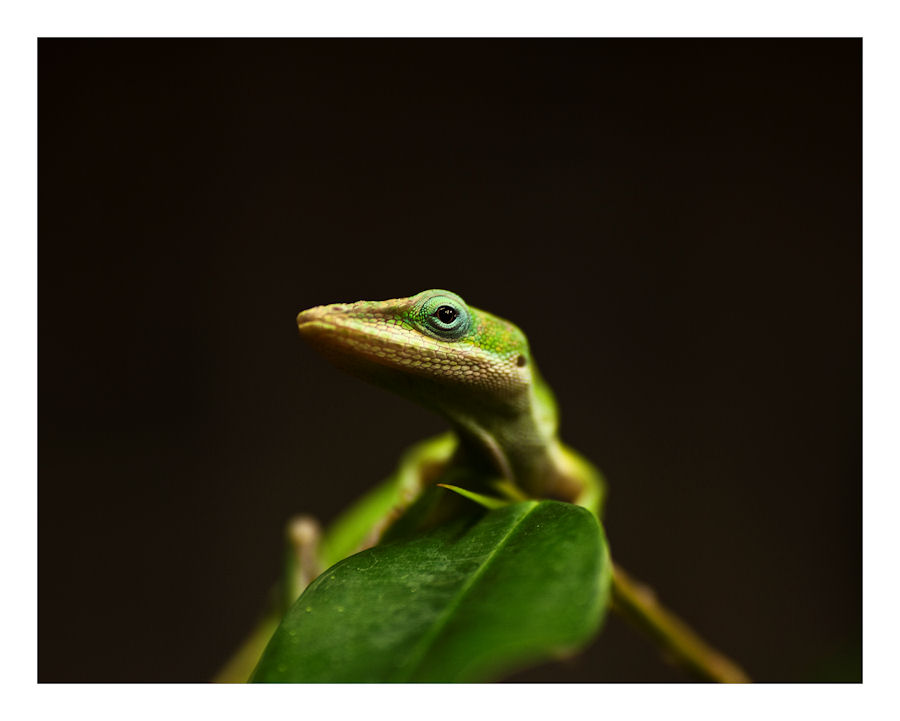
446,314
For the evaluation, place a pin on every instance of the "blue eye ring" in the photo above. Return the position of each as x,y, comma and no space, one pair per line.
444,316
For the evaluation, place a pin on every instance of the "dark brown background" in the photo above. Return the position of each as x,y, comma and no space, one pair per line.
675,224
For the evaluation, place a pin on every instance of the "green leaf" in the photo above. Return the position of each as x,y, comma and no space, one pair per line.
467,601
482,500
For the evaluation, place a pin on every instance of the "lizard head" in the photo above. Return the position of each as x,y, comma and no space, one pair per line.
431,346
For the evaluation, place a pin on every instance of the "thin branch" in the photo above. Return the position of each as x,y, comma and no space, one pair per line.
638,604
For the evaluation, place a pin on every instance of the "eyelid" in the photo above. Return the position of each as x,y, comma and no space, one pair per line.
430,323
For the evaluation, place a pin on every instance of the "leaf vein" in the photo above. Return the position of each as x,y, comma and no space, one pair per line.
421,649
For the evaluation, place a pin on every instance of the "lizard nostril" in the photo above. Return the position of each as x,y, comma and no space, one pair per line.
521,361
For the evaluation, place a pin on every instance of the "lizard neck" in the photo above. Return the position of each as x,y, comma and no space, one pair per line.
518,443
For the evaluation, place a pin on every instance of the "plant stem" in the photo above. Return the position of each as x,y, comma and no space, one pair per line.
241,664
638,605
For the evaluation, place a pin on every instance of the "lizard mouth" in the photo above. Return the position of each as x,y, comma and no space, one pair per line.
314,322
330,327
347,341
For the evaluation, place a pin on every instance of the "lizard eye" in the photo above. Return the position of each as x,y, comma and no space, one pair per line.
444,316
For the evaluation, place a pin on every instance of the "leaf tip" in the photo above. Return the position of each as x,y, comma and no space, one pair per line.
482,500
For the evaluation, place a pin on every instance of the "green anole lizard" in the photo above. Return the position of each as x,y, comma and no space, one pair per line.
477,371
